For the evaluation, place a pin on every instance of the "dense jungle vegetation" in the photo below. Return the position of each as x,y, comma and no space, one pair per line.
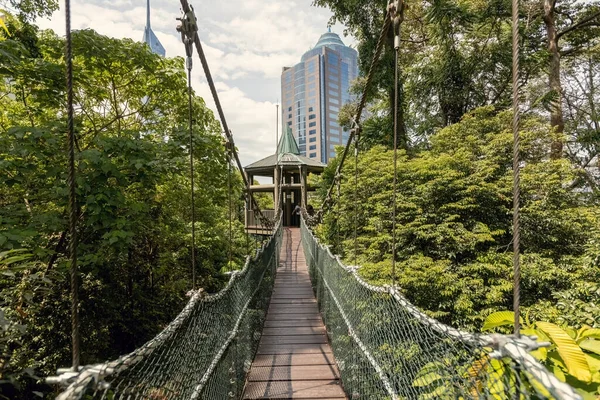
454,174
454,193
133,191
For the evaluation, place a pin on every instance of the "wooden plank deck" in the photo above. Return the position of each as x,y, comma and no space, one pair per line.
294,359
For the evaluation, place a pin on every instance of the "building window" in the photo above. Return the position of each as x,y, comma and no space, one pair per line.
333,116
289,108
289,123
333,86
312,155
312,147
312,116
312,132
311,124
334,101
334,108
312,139
289,115
310,109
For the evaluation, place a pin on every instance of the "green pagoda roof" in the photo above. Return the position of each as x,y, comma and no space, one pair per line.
288,154
287,143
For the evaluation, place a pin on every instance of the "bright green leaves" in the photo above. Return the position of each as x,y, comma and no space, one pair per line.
454,221
568,350
572,356
500,318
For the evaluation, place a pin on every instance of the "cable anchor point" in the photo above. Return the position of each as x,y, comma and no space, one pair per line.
188,28
396,10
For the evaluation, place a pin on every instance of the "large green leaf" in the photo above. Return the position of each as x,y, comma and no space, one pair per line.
590,345
569,351
590,333
429,374
500,318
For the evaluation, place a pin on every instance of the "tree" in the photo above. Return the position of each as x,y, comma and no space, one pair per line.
133,193
454,223
564,19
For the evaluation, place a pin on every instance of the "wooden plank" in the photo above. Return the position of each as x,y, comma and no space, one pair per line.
288,316
304,348
293,373
283,323
279,300
294,308
294,330
293,339
268,360
318,389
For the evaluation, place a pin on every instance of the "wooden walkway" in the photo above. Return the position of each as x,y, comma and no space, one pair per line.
294,359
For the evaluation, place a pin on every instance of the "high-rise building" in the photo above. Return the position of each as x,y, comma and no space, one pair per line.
150,37
312,93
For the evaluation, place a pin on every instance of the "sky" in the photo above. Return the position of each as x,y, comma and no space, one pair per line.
246,43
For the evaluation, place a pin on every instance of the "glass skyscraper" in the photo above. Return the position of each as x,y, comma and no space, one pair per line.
312,93
149,36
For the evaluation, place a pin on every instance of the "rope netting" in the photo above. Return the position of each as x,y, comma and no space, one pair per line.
387,349
204,353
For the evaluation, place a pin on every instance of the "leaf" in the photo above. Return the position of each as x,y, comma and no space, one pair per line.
590,333
569,351
427,379
428,374
591,345
500,318
435,394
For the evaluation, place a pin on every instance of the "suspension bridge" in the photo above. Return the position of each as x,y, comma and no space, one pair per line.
297,323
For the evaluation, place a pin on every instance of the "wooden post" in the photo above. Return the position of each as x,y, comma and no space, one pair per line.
303,179
276,180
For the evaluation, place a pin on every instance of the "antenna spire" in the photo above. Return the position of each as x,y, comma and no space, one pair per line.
148,14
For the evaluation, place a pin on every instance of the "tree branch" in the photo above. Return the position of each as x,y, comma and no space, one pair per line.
584,22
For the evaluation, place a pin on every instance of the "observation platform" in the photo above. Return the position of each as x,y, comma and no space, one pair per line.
294,359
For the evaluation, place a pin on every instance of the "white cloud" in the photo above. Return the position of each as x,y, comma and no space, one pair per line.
246,42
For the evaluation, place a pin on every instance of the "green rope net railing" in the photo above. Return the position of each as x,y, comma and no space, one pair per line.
386,348
204,353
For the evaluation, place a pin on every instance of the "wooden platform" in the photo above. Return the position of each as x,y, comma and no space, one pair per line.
294,360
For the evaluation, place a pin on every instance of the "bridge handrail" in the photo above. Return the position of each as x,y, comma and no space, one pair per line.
504,346
94,375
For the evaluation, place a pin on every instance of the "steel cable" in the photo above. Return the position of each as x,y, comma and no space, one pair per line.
363,101
72,195
516,166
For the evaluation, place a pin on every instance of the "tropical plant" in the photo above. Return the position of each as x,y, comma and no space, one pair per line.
573,354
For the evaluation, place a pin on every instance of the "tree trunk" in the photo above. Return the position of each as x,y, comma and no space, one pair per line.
556,113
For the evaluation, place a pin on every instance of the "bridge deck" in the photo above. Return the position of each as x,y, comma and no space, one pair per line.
294,359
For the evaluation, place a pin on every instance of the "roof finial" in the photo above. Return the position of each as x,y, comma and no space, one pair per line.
329,29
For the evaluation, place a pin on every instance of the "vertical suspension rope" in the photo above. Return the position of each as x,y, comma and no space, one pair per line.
188,28
338,179
516,159
189,74
72,200
398,15
229,189
356,140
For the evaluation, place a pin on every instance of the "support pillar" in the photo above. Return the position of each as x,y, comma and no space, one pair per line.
303,179
276,180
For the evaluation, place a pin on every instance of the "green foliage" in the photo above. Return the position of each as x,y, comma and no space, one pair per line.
573,355
454,222
133,196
